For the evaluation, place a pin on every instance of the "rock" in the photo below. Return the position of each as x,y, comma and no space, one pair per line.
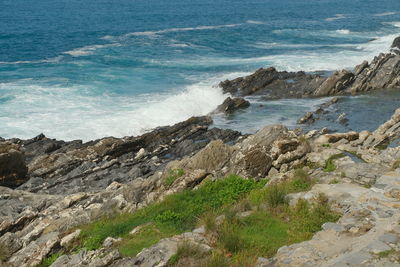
333,226
230,105
389,238
342,118
307,118
333,138
13,170
68,239
272,84
395,47
335,84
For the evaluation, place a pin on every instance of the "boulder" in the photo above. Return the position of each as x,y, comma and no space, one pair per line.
230,105
395,48
335,84
13,170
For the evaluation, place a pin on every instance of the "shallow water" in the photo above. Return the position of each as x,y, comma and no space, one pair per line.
87,69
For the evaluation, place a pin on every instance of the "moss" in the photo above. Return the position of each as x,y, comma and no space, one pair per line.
326,145
173,175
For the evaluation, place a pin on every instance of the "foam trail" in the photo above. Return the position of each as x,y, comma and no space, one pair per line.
336,17
88,50
152,33
385,14
254,22
343,31
49,60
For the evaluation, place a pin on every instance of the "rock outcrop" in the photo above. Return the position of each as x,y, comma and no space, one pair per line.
230,105
13,170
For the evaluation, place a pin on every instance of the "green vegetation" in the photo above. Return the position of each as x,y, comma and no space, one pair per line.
175,214
237,240
326,145
173,175
49,260
264,231
275,194
330,165
334,181
188,250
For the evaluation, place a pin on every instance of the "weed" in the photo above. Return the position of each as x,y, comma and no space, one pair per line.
173,175
216,260
330,165
326,145
49,260
334,181
229,238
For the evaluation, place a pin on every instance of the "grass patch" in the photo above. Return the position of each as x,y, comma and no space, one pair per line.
188,250
174,215
173,175
275,194
330,165
49,260
263,233
326,145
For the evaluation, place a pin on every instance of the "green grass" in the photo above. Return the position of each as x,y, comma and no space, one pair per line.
175,214
49,260
173,175
263,233
326,145
330,165
275,194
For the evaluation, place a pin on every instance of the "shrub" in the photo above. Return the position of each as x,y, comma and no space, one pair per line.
230,239
276,195
208,220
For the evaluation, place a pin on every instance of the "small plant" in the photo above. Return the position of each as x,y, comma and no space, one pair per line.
230,239
326,145
216,260
49,260
275,195
330,165
173,175
187,249
343,174
334,181
209,221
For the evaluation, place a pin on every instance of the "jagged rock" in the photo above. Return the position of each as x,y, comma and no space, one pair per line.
335,84
395,47
333,138
307,118
230,105
13,169
273,84
108,160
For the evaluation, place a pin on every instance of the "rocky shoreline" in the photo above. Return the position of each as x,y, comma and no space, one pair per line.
50,189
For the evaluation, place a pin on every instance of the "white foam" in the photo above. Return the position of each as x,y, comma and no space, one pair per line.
88,50
385,14
254,22
343,31
157,32
49,60
67,113
336,17
394,23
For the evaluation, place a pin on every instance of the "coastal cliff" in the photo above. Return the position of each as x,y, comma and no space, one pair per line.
193,195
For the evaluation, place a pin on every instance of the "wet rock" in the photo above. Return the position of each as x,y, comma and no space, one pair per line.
395,47
272,84
308,118
230,105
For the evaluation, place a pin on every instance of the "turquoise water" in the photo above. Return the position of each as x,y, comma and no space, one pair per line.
87,69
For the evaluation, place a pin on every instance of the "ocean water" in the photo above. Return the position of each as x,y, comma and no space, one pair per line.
75,69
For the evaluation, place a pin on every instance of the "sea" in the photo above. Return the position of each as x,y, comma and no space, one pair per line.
86,69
